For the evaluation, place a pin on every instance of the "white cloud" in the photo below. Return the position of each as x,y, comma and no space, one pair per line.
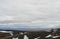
31,12
6,18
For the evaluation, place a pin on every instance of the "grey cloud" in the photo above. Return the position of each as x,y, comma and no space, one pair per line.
30,12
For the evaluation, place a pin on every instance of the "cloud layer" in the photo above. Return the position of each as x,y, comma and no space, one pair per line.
43,13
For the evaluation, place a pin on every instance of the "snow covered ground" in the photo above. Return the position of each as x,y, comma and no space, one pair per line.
25,37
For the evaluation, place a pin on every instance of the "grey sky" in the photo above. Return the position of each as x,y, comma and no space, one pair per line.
31,12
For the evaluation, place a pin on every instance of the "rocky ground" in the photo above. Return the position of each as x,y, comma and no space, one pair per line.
25,37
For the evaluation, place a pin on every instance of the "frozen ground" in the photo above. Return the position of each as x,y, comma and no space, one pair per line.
25,37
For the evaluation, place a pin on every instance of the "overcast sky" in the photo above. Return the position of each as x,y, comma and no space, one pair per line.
43,13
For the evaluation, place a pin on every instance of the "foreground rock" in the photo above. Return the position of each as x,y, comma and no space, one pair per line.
5,35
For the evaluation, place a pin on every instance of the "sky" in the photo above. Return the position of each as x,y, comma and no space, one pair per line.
43,13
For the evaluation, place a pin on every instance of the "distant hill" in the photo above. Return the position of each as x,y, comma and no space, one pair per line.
22,28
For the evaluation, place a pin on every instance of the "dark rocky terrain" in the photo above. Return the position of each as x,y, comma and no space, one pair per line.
31,34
